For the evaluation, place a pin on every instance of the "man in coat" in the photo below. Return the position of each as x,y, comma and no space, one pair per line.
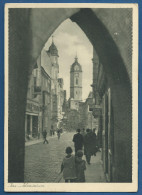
88,145
78,141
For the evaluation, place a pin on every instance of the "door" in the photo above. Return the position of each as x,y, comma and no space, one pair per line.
35,126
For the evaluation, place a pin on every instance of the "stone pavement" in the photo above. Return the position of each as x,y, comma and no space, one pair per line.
43,162
32,142
94,172
36,141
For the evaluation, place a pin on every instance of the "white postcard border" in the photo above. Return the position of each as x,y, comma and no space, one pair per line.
77,187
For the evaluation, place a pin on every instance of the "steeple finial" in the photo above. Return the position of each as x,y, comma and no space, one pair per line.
76,58
52,38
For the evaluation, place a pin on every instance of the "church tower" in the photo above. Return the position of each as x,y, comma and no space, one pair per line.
76,81
53,54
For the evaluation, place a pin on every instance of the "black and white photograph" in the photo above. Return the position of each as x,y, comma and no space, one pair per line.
71,97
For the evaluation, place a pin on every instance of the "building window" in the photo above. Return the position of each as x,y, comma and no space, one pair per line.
35,81
76,81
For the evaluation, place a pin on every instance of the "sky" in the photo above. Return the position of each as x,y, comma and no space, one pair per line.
69,40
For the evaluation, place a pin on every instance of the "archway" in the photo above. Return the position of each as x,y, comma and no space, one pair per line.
27,36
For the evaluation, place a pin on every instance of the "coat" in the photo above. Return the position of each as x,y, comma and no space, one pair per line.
44,134
78,141
68,167
80,168
89,143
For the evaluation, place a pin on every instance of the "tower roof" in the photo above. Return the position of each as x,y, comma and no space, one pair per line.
53,49
76,66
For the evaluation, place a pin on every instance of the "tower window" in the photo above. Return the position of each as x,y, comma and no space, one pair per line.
76,81
76,92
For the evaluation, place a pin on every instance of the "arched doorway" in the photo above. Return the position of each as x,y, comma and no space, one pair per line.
26,39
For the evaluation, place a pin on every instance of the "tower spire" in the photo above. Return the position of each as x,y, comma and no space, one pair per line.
53,49
76,58
52,38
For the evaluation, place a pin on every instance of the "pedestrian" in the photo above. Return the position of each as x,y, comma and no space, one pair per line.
68,166
58,133
38,135
50,132
83,132
44,137
78,141
61,130
88,145
53,132
80,167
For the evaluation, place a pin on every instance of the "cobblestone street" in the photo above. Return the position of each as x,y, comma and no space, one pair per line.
43,161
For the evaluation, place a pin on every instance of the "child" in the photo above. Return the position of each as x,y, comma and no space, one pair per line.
80,167
68,166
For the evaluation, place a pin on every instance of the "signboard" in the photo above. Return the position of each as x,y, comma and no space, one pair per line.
97,111
91,107
32,107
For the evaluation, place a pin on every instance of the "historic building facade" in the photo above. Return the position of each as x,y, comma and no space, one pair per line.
115,153
45,96
53,55
86,118
33,108
61,100
46,100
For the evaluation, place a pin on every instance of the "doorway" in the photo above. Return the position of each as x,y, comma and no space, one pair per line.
35,127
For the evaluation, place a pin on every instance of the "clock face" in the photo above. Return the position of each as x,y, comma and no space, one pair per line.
76,68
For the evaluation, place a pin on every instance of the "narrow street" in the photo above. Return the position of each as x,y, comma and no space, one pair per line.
43,161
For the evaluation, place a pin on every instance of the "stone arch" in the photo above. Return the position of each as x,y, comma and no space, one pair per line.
29,29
